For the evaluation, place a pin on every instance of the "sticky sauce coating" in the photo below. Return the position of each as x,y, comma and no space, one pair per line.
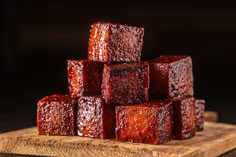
171,77
84,77
184,118
199,112
125,83
115,43
95,118
56,115
144,123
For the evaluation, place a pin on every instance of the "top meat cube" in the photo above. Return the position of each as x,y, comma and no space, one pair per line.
170,77
115,43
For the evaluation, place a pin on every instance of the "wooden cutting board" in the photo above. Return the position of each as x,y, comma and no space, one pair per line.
216,139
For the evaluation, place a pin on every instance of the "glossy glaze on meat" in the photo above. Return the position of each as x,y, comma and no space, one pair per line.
56,115
125,83
144,123
171,76
115,43
184,118
95,118
84,77
199,112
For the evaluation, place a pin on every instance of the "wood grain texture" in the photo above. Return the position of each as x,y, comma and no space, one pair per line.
216,139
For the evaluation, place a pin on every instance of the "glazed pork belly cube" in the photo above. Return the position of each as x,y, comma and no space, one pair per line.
125,83
115,43
171,76
56,115
95,118
199,112
184,118
149,123
84,77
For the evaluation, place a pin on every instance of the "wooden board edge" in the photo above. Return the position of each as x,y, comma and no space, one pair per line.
221,146
35,147
52,148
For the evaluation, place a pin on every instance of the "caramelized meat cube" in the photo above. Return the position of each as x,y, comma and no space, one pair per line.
84,77
56,115
125,83
144,123
95,118
199,112
184,118
115,43
171,76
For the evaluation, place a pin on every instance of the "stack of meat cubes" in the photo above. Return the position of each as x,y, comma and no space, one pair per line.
115,94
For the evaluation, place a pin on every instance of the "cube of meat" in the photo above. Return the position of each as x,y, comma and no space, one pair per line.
145,123
115,43
171,76
184,118
95,118
84,77
56,115
125,83
199,112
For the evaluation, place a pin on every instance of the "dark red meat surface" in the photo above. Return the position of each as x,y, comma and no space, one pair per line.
84,77
184,118
199,112
125,83
171,76
115,43
144,123
95,118
56,115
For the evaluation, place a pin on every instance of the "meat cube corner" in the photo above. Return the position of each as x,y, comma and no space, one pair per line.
84,77
184,120
125,83
149,123
95,118
171,77
56,115
115,43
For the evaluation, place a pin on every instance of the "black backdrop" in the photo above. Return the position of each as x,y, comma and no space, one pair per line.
38,36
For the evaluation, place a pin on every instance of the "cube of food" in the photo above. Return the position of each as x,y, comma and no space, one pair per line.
56,115
115,43
199,112
171,76
184,118
95,118
145,123
125,83
84,77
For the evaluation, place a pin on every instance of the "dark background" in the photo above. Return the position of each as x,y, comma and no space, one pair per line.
38,36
